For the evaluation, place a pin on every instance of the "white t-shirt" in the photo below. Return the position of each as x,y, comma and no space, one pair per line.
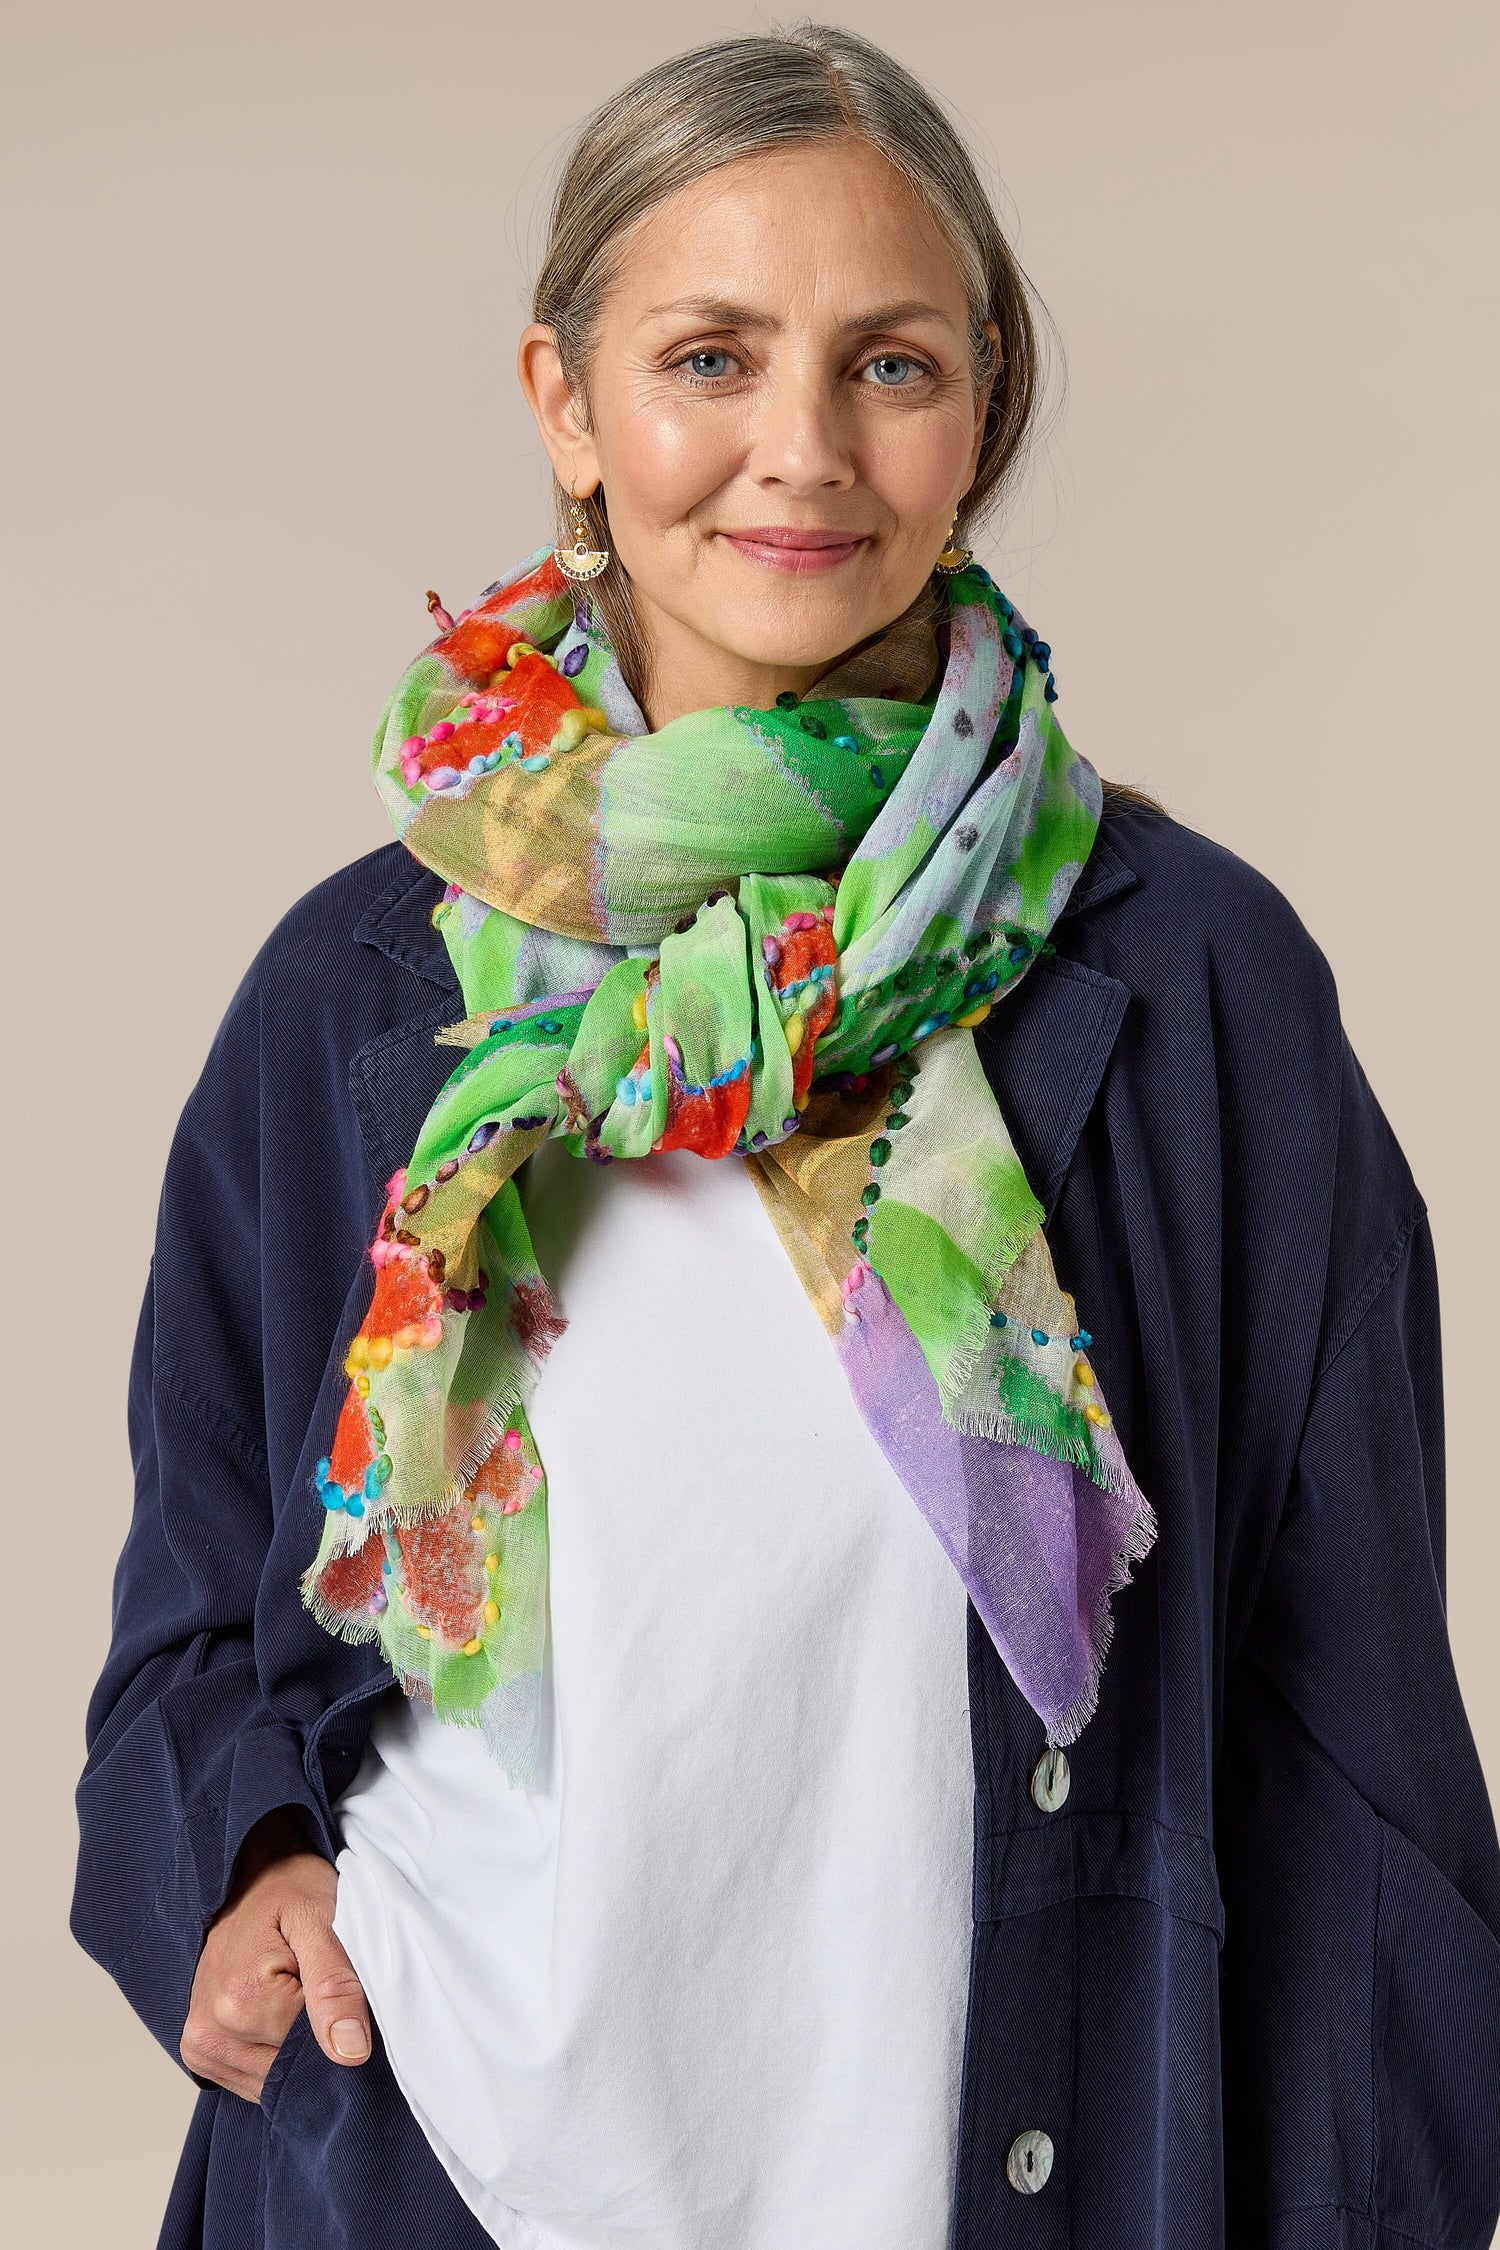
705,1987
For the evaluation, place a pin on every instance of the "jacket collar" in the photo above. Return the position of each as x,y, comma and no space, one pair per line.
1105,874
1044,1052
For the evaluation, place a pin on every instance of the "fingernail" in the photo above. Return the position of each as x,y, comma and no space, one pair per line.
350,2039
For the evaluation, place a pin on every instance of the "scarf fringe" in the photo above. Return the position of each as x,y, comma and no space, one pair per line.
1133,1548
1041,1437
341,1623
456,1491
347,1626
974,1336
493,1429
413,1680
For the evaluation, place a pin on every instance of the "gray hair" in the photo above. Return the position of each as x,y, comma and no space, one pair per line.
742,97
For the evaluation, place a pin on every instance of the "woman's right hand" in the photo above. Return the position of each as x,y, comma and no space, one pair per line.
269,1951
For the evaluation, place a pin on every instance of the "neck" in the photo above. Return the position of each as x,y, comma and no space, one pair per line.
685,673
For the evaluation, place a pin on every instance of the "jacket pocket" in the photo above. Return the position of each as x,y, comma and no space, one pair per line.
298,2036
1437,2054
344,2164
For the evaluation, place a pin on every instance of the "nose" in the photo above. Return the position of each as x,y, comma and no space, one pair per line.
800,440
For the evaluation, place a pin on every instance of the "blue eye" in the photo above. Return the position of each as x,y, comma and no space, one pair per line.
708,364
891,370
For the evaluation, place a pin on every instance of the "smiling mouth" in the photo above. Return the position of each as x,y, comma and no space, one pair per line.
784,547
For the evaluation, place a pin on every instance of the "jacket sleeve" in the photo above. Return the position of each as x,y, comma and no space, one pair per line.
1356,1843
183,1753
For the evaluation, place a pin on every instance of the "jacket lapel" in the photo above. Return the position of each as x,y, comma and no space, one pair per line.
395,1077
399,924
1045,1049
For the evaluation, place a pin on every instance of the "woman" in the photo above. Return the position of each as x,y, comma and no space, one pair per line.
549,1785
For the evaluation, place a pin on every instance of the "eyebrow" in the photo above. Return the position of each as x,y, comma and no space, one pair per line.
722,312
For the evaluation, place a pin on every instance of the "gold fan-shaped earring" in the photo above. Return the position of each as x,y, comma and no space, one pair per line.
953,557
580,561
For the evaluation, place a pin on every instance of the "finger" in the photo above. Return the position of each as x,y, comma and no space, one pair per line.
239,2065
257,2001
336,2005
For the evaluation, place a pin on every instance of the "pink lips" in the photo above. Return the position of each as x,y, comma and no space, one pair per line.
783,547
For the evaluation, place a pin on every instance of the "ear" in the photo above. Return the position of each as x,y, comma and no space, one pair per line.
982,397
559,415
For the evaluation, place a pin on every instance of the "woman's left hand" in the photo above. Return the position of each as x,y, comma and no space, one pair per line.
269,1951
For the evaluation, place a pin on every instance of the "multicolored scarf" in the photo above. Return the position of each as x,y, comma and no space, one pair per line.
760,934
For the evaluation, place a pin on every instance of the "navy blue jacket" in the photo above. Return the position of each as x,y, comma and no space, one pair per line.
1247,1977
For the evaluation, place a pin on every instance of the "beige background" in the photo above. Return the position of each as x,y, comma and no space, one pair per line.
264,269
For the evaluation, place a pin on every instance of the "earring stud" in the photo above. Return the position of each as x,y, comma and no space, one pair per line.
580,561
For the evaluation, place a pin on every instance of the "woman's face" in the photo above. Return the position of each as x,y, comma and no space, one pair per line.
782,413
